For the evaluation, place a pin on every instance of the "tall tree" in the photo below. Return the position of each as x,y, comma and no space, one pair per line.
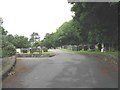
21,42
97,21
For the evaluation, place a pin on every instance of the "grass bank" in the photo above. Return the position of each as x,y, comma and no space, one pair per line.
114,54
43,53
47,53
36,54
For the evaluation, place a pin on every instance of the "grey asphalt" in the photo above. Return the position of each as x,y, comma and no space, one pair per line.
64,70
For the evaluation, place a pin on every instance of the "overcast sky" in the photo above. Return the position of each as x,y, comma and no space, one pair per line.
23,17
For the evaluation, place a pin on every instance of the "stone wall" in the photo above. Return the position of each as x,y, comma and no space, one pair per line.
7,64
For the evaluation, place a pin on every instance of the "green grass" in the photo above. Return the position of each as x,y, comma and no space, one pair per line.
115,54
47,53
67,50
43,53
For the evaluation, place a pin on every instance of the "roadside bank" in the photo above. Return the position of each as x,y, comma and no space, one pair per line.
7,65
102,56
36,54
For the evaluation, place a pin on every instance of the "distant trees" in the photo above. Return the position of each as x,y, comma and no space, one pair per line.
92,23
49,40
9,43
1,21
18,41
66,34
21,42
34,37
36,44
97,22
6,48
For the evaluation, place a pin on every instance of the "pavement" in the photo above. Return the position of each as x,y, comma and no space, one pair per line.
64,70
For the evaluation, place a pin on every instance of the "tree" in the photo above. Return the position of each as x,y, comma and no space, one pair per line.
3,31
97,21
6,48
21,42
37,44
11,38
1,21
34,37
92,23
63,36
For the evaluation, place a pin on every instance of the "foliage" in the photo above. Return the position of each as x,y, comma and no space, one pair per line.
7,49
92,23
34,37
97,21
2,31
9,43
18,41
63,36
36,44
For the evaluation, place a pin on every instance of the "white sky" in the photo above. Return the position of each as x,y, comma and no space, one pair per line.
23,17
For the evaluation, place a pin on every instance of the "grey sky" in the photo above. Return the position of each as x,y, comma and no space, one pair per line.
23,17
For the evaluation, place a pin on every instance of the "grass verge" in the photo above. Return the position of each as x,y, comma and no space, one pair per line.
43,53
114,54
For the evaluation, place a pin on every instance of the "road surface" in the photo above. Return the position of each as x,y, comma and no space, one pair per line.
64,70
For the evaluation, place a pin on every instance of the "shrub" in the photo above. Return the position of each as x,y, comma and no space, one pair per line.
7,48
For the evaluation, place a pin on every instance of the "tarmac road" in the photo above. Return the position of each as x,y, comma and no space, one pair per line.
64,70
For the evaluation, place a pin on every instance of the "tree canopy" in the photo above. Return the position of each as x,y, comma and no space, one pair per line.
92,23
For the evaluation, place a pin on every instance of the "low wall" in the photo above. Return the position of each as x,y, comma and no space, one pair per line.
7,64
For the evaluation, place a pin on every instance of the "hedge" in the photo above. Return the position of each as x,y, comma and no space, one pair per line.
6,48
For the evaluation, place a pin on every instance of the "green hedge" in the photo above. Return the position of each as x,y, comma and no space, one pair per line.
7,49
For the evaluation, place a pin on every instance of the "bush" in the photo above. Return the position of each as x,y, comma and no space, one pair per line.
7,48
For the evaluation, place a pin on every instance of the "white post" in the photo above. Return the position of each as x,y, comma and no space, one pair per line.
102,50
